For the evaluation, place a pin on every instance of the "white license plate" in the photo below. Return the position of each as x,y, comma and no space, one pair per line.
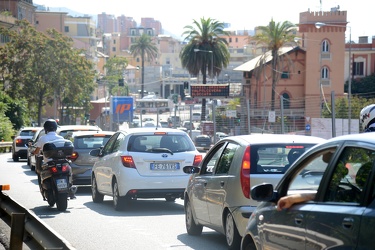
164,166
61,184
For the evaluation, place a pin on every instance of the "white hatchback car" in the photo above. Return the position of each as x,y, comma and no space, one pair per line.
143,163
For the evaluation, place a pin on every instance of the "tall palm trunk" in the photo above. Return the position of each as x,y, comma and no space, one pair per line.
143,74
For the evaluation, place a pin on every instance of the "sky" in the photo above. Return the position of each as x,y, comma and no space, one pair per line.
174,15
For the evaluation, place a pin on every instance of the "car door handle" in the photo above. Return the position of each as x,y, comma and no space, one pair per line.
348,223
298,219
222,183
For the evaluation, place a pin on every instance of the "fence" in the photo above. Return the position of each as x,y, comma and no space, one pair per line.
5,147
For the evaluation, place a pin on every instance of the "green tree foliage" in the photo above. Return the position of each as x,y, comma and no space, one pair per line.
115,68
363,87
273,37
6,129
202,37
341,107
146,48
43,68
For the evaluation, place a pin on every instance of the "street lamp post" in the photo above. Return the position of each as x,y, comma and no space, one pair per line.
318,25
212,60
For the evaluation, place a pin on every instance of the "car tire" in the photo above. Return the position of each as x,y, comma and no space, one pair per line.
170,199
96,196
191,227
231,233
118,201
28,162
15,157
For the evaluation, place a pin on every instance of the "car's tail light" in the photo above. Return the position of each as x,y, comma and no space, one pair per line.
53,169
127,161
65,168
245,173
74,156
197,160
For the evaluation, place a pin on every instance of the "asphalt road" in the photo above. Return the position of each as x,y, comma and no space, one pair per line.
147,224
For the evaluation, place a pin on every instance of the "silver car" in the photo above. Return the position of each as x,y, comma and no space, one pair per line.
81,160
340,174
218,194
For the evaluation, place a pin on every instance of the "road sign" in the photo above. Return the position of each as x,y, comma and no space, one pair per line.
308,127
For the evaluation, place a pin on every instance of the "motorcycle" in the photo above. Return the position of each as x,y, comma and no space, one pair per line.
55,174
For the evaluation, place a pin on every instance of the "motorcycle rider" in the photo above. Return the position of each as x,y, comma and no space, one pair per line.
367,118
50,127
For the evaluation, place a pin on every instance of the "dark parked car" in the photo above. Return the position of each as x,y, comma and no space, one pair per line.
340,173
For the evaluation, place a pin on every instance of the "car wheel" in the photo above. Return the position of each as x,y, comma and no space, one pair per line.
15,157
28,162
118,201
96,196
231,233
170,199
191,227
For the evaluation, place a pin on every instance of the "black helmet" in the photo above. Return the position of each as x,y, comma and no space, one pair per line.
50,125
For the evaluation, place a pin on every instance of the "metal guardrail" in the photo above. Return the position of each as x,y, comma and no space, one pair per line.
5,147
26,226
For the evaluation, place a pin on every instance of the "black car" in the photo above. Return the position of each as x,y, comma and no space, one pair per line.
202,141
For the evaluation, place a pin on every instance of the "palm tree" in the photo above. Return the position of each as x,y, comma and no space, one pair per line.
144,47
274,36
205,50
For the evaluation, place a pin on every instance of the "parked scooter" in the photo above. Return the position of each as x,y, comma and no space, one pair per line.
55,174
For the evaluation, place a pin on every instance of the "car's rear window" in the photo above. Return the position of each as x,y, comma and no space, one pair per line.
27,132
90,142
275,158
153,143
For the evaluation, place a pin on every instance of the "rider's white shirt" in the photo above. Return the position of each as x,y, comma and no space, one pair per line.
51,136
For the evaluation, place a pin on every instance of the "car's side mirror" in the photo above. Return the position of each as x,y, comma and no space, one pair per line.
190,170
262,192
95,152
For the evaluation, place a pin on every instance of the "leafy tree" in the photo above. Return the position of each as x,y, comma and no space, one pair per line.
145,48
43,68
273,37
364,87
115,67
6,129
204,36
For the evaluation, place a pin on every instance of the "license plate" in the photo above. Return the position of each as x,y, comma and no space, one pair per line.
61,184
164,166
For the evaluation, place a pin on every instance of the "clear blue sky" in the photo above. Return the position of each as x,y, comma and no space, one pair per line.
241,14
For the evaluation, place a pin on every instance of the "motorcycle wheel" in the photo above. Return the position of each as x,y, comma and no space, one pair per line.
50,197
62,201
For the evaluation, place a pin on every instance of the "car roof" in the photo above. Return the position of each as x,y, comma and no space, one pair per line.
78,127
364,137
275,138
31,128
151,130
98,133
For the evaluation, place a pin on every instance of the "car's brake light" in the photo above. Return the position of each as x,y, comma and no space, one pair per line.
74,156
127,161
245,173
197,160
65,168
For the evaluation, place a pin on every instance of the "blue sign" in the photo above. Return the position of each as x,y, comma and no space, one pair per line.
308,127
122,108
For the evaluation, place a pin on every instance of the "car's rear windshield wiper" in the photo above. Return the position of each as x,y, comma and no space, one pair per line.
158,150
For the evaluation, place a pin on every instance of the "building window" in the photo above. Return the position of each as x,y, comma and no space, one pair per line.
325,46
114,49
66,28
236,39
324,73
286,101
114,41
285,75
230,39
4,38
358,69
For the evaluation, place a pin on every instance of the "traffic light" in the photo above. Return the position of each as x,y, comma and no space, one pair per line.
175,98
120,82
186,85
